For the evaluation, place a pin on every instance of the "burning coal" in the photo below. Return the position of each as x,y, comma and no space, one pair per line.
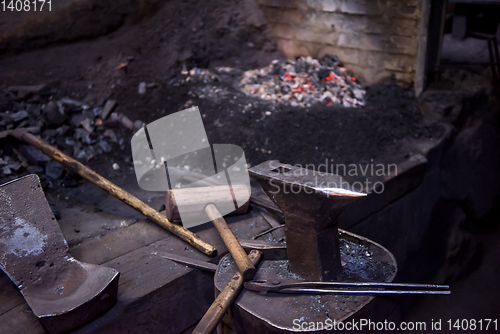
303,82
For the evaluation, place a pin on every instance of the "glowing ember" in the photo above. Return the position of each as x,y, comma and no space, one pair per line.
304,81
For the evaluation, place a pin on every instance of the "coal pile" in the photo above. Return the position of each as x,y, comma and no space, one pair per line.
81,130
303,82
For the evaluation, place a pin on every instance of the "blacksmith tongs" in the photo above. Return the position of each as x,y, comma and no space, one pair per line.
369,288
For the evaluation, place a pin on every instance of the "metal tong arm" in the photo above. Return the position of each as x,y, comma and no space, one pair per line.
342,287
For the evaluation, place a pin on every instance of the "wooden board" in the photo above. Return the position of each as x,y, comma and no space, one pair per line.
155,295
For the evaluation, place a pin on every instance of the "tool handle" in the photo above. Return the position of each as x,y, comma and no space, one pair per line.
224,300
115,191
237,252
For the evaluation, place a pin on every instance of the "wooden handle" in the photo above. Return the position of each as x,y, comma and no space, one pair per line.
224,300
115,191
237,252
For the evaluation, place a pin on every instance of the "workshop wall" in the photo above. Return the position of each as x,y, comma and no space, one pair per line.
376,39
65,21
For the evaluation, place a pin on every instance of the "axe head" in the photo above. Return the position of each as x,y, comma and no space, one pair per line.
62,292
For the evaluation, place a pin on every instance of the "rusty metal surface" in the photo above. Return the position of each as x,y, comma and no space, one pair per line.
62,292
311,203
363,261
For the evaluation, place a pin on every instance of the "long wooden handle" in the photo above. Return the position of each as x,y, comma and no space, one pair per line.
237,252
224,300
114,190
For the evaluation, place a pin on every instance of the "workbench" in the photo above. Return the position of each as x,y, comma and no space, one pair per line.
155,295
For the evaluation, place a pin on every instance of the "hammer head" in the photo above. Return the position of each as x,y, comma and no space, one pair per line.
61,291
173,153
194,201
311,202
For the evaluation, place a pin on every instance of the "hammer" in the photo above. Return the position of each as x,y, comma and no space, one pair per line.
124,196
204,201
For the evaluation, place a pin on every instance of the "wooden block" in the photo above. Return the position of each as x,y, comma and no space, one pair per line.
9,295
159,295
101,250
20,320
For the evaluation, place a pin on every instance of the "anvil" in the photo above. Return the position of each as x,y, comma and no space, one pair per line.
311,202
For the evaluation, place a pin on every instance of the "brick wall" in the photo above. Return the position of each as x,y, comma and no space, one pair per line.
376,39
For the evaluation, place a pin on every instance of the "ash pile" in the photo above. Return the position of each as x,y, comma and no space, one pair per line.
304,81
80,129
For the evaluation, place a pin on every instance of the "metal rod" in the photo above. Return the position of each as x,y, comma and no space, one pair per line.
333,287
267,231
188,261
266,205
115,191
483,63
370,292
366,284
225,299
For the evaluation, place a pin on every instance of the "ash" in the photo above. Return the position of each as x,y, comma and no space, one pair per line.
358,264
282,270
303,82
226,263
